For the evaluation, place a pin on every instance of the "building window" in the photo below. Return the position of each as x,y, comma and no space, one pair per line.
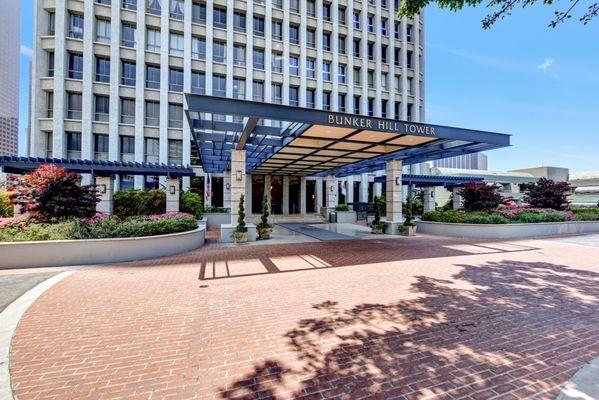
409,34
410,116
175,152
176,45
326,71
198,13
102,70
198,48
50,105
128,111
75,66
396,31
371,23
101,147
175,116
384,108
153,77
356,20
311,38
219,85
397,56
294,34
294,65
357,80
357,48
294,6
176,80
153,40
341,45
311,8
130,4
384,54
409,57
51,24
277,93
294,96
128,39
74,105
383,27
152,150
277,61
370,107
239,55
76,26
239,22
326,12
342,12
73,145
370,48
239,88
259,26
277,30
219,16
310,98
51,63
152,113
341,102
341,73
219,50
258,58
198,82
177,9
154,7
102,105
102,31
277,3
326,101
370,77
357,102
310,68
326,41
129,72
258,90
384,80
127,148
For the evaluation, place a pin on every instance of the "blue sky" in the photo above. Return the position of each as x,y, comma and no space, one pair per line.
521,77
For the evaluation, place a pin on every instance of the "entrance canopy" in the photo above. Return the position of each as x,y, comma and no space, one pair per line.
316,142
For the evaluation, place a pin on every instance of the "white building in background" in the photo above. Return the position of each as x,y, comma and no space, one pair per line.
585,187
109,75
477,161
10,15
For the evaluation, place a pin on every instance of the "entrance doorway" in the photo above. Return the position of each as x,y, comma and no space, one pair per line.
257,193
217,192
310,196
276,194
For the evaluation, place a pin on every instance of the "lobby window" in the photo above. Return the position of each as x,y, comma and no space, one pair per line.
371,23
384,108
310,68
50,63
258,26
102,104
219,16
152,150
127,111
239,55
198,82
175,80
310,38
341,44
130,4
357,102
326,41
341,73
51,24
102,31
175,116
127,148
258,90
341,102
277,61
175,152
153,40
294,96
356,19
102,70
326,71
198,48
101,147
50,105
294,34
356,47
258,58
198,13
294,6
277,30
239,22
154,7
384,27
176,44
311,8
277,93
409,59
294,65
76,26
326,101
128,39
342,13
129,72
73,145
177,8
153,77
310,98
219,85
239,88
219,52
409,33
357,80
370,107
152,113
326,11
75,66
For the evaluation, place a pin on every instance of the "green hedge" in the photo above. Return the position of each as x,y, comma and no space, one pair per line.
586,214
462,217
532,216
129,203
191,203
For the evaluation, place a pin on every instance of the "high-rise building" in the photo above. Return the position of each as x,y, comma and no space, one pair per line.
109,76
10,14
466,161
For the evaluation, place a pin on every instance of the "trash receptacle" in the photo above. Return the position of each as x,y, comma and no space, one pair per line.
333,217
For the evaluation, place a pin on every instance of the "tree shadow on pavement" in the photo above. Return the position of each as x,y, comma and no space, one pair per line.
518,328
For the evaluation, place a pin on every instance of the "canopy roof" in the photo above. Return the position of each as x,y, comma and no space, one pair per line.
316,142
433,180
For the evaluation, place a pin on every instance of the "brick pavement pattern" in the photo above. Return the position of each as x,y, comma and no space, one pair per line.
410,318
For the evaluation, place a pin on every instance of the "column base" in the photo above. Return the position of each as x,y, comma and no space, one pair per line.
392,227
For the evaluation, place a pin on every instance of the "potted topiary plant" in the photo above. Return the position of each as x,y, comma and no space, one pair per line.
408,228
264,228
240,234
378,226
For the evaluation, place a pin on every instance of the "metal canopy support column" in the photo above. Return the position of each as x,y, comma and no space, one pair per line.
457,199
364,188
428,198
173,188
332,189
105,186
237,179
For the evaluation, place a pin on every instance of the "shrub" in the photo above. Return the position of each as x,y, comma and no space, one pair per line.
51,192
263,224
545,193
479,218
241,227
342,207
6,207
409,212
542,216
191,203
585,214
129,203
480,196
213,209
452,216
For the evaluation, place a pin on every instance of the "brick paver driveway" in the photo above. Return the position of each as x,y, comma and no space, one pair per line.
408,318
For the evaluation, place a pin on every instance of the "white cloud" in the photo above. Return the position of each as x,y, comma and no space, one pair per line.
26,51
548,63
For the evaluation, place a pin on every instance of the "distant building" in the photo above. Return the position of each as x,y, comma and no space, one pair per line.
555,173
10,13
585,186
476,161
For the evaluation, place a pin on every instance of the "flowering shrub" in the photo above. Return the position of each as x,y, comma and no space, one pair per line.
545,193
6,209
480,196
526,213
50,192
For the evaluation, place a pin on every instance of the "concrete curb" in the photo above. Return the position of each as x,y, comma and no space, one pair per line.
584,385
9,320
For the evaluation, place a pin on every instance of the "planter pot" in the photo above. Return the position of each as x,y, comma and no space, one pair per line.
378,229
240,237
407,230
264,234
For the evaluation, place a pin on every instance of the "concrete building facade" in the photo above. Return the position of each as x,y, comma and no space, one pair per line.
477,161
10,15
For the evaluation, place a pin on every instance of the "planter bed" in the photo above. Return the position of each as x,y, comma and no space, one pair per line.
507,231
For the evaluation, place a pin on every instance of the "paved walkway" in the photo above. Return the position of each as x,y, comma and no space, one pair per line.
408,318
314,231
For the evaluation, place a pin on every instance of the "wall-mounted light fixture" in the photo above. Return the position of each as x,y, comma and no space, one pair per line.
171,189
398,181
228,186
239,175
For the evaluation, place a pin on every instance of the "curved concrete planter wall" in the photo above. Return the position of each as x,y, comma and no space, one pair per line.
215,220
97,251
507,231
